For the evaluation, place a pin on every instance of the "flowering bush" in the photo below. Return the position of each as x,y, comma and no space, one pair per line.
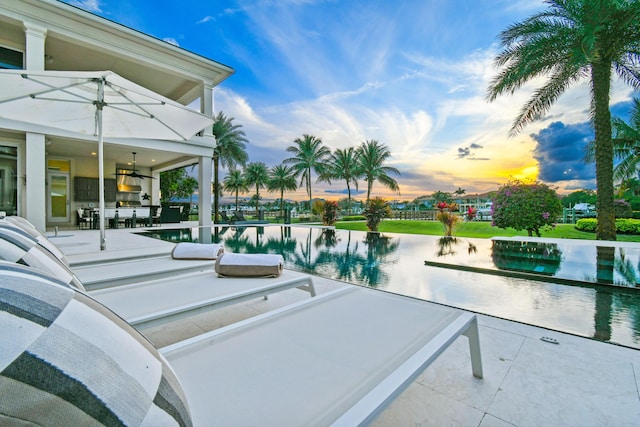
330,212
375,210
524,206
447,217
471,213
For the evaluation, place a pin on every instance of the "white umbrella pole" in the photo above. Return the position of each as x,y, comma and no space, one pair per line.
99,105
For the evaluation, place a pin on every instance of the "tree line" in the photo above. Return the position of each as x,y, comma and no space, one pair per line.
309,158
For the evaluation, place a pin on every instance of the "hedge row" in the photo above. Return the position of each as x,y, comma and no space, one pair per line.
353,218
623,225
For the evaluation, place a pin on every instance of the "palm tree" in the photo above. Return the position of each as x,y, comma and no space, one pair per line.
343,164
256,173
371,158
626,144
571,40
230,150
309,155
235,183
282,178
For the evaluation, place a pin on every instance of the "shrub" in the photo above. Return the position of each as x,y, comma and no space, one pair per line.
375,210
330,212
317,207
622,209
623,225
587,224
447,217
635,203
353,218
525,206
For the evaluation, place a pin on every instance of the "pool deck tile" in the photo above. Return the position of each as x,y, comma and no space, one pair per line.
528,382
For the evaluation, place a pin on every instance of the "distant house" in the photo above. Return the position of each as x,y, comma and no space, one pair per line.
584,208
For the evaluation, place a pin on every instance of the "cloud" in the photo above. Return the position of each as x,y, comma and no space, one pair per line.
465,152
345,191
560,150
171,40
206,19
90,5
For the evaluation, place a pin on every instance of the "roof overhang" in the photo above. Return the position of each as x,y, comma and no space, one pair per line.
79,40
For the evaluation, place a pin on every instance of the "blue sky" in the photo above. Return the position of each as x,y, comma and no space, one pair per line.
412,74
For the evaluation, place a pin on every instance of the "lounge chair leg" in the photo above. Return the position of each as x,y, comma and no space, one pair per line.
474,348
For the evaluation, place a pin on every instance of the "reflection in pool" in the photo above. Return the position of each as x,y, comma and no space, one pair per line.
396,263
529,257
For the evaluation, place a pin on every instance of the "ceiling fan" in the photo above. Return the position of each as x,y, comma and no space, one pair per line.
133,173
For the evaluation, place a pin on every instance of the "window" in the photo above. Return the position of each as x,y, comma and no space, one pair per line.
10,58
9,180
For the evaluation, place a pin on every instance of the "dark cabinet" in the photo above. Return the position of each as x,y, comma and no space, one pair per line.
87,189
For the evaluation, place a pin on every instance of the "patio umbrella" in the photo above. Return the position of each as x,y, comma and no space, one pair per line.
101,103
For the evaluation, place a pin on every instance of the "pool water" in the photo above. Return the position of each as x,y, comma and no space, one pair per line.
396,263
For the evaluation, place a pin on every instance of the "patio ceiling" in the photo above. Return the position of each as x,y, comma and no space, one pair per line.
80,41
151,158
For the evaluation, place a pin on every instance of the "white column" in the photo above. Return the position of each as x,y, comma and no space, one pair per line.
155,188
206,103
35,209
34,42
205,170
36,189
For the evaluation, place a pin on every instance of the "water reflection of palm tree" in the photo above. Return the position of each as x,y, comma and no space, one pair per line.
282,245
346,263
218,232
379,248
605,261
327,239
628,272
237,242
302,258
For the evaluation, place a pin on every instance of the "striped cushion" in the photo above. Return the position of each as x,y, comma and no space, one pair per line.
26,227
16,246
65,359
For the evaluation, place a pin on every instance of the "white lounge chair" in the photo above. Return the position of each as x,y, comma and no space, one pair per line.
159,301
337,359
150,302
107,274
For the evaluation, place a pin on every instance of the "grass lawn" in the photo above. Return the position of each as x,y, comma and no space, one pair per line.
480,229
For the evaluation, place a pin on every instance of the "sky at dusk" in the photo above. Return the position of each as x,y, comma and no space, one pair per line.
412,74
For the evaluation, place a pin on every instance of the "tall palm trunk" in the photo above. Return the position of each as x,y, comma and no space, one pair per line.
309,189
282,203
600,85
257,200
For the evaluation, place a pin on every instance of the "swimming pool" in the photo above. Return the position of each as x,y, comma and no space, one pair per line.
396,263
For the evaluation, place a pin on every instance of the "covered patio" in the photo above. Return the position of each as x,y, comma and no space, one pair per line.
50,35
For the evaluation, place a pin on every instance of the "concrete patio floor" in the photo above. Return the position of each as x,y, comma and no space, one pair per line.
527,381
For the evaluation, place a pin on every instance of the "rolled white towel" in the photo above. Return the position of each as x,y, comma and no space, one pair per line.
253,265
187,250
